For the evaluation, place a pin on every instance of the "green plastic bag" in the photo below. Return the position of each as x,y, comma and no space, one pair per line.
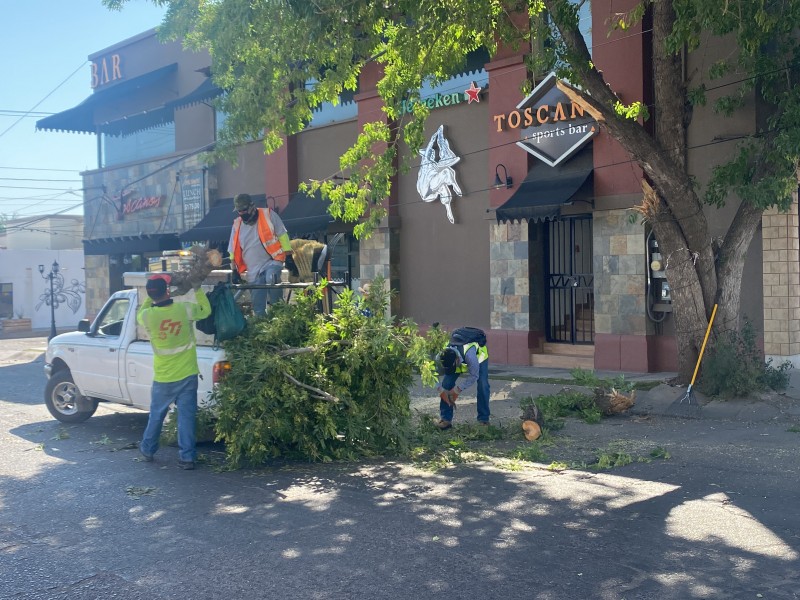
226,320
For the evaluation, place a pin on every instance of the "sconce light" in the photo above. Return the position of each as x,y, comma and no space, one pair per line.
499,183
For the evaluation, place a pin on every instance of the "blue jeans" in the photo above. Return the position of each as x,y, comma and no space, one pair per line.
184,394
260,297
449,382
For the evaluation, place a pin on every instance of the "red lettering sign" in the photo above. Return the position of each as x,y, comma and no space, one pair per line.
136,204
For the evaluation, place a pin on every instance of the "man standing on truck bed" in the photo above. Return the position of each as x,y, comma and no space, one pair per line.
259,245
175,370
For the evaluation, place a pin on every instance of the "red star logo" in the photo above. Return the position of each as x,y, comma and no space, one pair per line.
472,93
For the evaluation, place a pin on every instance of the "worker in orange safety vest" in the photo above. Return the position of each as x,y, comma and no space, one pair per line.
259,246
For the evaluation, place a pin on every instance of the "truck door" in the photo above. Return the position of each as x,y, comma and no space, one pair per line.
99,367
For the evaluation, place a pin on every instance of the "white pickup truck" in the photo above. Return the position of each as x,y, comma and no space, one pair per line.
110,360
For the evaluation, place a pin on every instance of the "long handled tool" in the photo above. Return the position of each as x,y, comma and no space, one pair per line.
689,395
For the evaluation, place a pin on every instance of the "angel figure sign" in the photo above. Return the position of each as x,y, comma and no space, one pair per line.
436,177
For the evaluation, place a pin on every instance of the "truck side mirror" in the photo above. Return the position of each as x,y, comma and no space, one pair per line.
84,325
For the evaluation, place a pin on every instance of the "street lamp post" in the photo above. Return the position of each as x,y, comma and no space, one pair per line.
51,275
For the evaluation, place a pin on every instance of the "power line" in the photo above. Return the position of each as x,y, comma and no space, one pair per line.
30,187
39,169
38,180
50,93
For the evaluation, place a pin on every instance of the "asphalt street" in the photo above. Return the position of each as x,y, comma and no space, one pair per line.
82,518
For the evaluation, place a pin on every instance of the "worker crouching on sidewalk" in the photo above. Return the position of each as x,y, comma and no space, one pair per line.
466,361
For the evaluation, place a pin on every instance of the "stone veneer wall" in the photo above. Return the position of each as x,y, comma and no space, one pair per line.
378,256
97,283
781,264
619,274
509,283
101,216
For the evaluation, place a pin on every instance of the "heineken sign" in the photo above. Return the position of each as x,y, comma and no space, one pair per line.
552,127
469,95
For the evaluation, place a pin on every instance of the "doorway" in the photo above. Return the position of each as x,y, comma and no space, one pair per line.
569,281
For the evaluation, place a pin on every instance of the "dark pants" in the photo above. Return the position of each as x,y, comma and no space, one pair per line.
449,382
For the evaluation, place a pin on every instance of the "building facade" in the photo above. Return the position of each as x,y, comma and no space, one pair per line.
515,217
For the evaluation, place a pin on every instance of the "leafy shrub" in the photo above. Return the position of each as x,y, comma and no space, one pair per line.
321,387
586,378
734,367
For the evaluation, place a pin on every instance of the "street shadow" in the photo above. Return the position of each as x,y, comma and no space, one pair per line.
80,499
23,382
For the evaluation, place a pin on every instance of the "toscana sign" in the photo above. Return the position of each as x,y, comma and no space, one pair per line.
552,127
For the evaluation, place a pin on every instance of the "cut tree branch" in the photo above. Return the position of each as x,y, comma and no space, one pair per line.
320,394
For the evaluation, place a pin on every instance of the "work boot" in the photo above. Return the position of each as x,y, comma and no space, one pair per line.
442,424
145,457
186,465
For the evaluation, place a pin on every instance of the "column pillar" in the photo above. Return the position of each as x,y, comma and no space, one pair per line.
781,268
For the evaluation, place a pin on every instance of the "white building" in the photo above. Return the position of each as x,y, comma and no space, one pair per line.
29,248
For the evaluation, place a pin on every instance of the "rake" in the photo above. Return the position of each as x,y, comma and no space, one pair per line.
689,395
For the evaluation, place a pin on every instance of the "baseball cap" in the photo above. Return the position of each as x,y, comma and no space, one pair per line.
242,202
156,286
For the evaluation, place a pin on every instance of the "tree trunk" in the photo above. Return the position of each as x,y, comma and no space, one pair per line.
679,223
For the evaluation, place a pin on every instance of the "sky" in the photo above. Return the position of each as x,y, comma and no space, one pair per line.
44,69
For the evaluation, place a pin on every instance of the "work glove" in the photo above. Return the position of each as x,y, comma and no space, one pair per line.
290,265
235,277
449,397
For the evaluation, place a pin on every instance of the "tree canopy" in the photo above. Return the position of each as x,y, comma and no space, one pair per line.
279,59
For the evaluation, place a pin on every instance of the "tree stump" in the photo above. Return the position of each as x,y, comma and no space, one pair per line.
611,401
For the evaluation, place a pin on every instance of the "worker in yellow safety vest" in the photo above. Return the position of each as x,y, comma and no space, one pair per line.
468,363
175,370
259,246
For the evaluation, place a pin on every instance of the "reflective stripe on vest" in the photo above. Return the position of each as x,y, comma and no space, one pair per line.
170,351
481,351
271,243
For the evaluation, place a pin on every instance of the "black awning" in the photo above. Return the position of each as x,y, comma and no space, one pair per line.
136,244
205,91
81,118
306,215
216,225
546,189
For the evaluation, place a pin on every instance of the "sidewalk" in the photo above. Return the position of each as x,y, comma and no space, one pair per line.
509,384
33,333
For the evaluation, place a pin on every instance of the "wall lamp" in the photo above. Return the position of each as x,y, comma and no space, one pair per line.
499,183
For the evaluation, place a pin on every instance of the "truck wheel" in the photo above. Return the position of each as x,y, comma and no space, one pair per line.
65,402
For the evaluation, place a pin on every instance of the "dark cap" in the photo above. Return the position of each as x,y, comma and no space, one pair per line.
242,202
449,356
156,286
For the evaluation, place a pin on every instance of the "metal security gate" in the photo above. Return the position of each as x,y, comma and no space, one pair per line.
570,281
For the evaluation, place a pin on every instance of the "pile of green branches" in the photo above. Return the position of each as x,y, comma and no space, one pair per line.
322,387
